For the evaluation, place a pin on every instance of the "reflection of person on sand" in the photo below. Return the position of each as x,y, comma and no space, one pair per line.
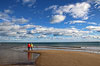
32,46
29,46
29,56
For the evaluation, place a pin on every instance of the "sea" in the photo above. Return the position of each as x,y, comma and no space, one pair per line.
13,53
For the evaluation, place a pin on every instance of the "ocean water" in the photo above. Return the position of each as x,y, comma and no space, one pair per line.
20,46
54,43
13,52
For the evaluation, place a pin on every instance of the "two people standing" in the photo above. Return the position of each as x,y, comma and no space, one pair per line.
30,46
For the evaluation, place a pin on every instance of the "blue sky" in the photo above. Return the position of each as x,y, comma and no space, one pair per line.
49,20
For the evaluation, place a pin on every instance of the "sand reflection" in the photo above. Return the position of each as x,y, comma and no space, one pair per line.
30,56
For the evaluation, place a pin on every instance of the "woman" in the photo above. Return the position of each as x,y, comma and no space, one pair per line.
29,46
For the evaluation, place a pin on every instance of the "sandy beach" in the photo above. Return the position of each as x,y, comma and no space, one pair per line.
66,58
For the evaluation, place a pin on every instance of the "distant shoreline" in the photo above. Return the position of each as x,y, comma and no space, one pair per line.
54,42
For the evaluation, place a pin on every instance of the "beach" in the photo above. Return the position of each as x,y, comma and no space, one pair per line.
50,54
66,58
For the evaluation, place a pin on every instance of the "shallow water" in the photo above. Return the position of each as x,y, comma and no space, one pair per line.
10,56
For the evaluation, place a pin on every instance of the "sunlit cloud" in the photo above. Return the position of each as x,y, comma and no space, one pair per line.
57,18
94,28
28,3
77,21
92,23
20,20
78,10
8,11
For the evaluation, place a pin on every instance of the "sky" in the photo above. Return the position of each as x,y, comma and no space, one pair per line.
49,20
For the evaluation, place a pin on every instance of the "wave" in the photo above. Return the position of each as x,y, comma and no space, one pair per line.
82,49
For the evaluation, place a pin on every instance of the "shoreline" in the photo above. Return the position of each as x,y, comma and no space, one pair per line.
15,53
66,58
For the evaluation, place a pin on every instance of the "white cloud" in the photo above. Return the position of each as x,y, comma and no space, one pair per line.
8,11
60,32
4,16
11,33
29,2
78,10
57,18
51,7
94,28
20,20
28,26
13,30
92,36
93,23
42,36
80,22
96,3
6,23
9,26
77,21
65,22
18,31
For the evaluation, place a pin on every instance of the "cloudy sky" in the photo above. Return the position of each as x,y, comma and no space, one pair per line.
49,20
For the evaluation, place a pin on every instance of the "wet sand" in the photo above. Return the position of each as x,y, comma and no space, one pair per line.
10,56
15,58
66,58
